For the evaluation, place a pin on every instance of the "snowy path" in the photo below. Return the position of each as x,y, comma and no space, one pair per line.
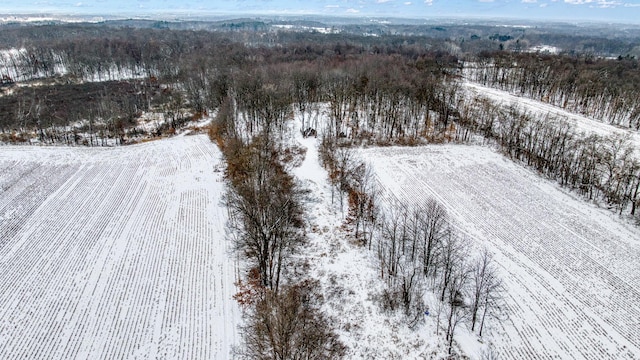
572,270
348,277
582,123
115,253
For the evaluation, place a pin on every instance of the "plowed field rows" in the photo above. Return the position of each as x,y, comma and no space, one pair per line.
572,270
115,253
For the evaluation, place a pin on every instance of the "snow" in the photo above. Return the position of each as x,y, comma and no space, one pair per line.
348,276
115,253
549,49
46,18
121,253
540,109
12,64
115,73
572,270
322,30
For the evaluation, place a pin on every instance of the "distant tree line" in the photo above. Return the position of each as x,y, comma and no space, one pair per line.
59,113
391,89
604,89
192,72
99,81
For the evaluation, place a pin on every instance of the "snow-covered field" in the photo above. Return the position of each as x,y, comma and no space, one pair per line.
120,253
572,270
540,109
115,253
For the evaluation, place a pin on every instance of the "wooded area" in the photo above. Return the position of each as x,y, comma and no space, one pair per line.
606,89
63,82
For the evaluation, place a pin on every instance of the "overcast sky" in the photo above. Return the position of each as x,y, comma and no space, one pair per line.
625,11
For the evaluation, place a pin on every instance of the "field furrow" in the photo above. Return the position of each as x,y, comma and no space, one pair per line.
571,269
115,253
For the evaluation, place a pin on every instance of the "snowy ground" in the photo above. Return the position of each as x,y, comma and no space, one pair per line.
12,63
115,253
349,281
120,253
539,108
572,270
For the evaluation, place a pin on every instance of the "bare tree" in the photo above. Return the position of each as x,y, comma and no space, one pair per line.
492,299
389,244
484,279
401,271
434,229
453,251
362,197
264,209
288,326
457,310
411,285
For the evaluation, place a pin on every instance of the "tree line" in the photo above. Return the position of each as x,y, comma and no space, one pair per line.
418,249
601,168
604,89
266,222
191,72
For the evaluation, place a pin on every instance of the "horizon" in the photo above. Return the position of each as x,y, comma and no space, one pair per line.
603,11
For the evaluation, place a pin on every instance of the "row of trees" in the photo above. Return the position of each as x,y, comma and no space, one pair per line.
601,88
98,80
90,113
382,99
101,53
602,168
373,98
418,249
283,320
395,89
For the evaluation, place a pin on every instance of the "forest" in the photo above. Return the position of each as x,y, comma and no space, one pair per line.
89,85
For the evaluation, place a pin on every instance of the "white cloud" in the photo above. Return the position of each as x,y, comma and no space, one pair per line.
608,4
486,1
529,1
595,3
409,3
332,6
428,2
382,1
353,11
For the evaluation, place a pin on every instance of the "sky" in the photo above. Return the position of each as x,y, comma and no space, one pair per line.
611,11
